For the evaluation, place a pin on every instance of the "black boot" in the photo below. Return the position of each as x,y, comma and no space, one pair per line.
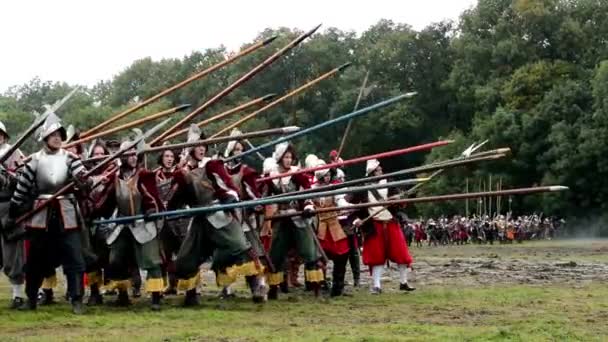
191,298
29,305
259,291
48,297
16,303
406,287
273,293
136,292
155,305
123,299
77,307
95,298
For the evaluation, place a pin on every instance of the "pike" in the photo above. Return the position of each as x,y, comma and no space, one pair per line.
324,124
179,85
347,162
424,168
429,199
39,121
98,167
222,115
250,145
296,91
253,203
350,122
48,109
210,141
235,84
129,125
464,155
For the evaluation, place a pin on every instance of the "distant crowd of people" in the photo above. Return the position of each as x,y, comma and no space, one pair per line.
461,230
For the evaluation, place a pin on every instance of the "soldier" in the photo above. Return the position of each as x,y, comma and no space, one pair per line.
133,246
216,234
330,233
174,231
13,250
383,239
295,231
244,177
53,232
95,271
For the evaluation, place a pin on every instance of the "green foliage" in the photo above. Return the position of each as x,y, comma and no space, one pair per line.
528,74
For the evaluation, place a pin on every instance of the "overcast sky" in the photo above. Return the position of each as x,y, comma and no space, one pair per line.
87,41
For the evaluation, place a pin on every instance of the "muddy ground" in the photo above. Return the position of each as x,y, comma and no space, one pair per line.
574,262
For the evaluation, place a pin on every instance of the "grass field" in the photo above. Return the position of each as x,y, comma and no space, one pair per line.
465,293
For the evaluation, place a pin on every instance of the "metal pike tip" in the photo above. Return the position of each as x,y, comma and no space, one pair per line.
182,107
504,150
411,94
309,33
291,129
270,40
344,66
268,96
558,188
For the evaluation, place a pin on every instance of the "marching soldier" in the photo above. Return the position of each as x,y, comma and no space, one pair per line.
132,191
95,271
292,232
383,238
13,250
244,177
174,231
216,234
330,233
53,232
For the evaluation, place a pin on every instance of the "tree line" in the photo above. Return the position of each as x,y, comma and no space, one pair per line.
528,74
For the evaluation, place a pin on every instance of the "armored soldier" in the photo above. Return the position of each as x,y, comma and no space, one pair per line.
54,231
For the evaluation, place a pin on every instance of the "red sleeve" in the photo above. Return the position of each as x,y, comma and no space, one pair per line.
151,201
222,183
302,181
104,201
249,181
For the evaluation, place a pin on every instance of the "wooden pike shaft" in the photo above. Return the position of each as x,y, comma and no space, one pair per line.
451,197
281,99
128,125
423,147
350,122
222,115
218,140
234,85
179,85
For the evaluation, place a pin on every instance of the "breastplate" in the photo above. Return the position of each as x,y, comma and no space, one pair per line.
164,189
128,197
52,171
203,187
